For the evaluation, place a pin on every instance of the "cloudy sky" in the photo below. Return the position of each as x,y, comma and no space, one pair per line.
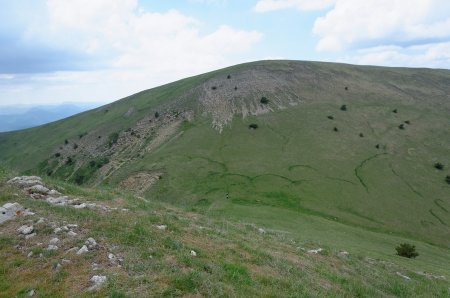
55,51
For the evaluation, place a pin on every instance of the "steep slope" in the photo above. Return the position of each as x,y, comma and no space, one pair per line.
369,165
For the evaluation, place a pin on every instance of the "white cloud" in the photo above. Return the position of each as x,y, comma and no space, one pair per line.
142,49
435,55
352,23
271,5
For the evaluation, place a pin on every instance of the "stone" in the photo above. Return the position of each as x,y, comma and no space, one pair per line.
30,236
53,192
91,243
261,231
315,251
82,250
161,227
53,241
57,230
66,261
41,220
57,266
39,189
30,254
72,233
25,230
11,210
80,206
76,248
343,254
97,281
72,226
193,253
404,276
52,247
25,181
31,293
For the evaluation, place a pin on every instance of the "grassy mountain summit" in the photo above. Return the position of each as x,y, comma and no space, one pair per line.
336,154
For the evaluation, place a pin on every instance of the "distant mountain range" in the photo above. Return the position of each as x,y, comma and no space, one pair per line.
21,117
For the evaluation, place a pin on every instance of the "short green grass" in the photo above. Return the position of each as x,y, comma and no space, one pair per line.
293,174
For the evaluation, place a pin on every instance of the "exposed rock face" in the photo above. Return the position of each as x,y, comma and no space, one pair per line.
12,210
37,190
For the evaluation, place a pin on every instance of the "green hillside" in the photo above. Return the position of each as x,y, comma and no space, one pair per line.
344,156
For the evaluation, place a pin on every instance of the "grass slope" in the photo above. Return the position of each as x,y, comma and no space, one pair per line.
363,188
233,259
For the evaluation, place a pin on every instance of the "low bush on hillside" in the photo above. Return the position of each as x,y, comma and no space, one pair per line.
395,111
264,100
66,142
214,87
87,171
408,122
335,129
406,250
75,146
344,108
113,139
361,135
228,76
447,179
401,126
253,126
156,114
439,166
330,117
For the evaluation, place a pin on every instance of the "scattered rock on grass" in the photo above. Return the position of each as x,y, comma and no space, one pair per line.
161,227
97,281
193,253
25,230
82,250
315,251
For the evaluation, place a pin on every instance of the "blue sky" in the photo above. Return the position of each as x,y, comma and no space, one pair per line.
55,51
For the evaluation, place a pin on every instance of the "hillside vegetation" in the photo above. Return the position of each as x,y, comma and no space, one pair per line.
347,157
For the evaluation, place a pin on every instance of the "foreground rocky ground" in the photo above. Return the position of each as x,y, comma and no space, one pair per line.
57,240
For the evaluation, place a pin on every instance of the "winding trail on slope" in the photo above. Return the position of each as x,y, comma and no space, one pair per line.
361,165
405,182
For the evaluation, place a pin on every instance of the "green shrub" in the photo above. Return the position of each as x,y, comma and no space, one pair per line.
335,129
408,122
75,146
439,166
447,179
156,114
228,76
113,139
401,126
406,250
361,135
264,100
253,126
395,111
330,117
66,142
344,108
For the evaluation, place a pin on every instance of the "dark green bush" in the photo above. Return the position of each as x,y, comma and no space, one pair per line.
447,179
335,129
344,108
439,166
214,87
395,111
57,154
113,139
401,126
264,100
408,122
156,114
406,250
66,142
69,161
75,146
228,76
253,126
330,117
